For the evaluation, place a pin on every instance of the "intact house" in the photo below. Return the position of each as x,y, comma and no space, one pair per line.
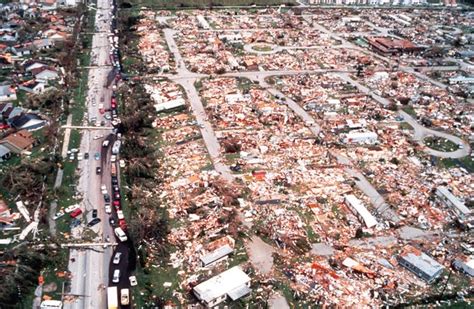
45,74
464,264
233,283
19,141
28,122
463,214
7,93
420,264
361,137
33,86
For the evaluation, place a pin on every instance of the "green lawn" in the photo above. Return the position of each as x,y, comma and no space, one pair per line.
440,144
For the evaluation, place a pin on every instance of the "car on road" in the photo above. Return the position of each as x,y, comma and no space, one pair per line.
107,198
108,209
80,156
120,234
98,170
93,222
86,156
116,259
133,280
94,213
103,189
76,213
116,276
113,158
124,297
97,156
58,215
107,117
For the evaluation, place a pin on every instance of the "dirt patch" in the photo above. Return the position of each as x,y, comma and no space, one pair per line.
260,254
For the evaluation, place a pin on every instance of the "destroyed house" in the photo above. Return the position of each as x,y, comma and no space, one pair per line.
356,206
390,46
233,283
420,264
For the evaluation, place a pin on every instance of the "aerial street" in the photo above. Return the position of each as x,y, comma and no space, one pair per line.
269,153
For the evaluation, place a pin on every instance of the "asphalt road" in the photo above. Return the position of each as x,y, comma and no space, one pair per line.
90,268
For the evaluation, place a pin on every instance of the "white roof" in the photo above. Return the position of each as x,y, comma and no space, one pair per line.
170,104
454,200
357,206
222,284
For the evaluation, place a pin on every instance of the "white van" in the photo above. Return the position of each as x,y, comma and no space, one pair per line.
120,234
124,297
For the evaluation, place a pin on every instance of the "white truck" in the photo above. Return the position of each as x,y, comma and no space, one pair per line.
112,297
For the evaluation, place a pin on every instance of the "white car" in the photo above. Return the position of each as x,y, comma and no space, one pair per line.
116,277
80,156
122,163
108,209
120,214
103,189
113,158
58,215
133,280
116,259
71,208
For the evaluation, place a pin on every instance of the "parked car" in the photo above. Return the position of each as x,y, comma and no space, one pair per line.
116,259
97,156
120,234
107,198
114,180
86,156
94,213
116,188
75,223
116,276
124,297
58,215
103,189
116,196
98,170
120,214
133,280
76,213
71,208
111,221
93,222
116,204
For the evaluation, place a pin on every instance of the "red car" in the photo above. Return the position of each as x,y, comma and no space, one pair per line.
4,126
76,213
122,224
116,204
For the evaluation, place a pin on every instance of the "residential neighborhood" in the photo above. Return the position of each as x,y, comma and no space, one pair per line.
236,154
